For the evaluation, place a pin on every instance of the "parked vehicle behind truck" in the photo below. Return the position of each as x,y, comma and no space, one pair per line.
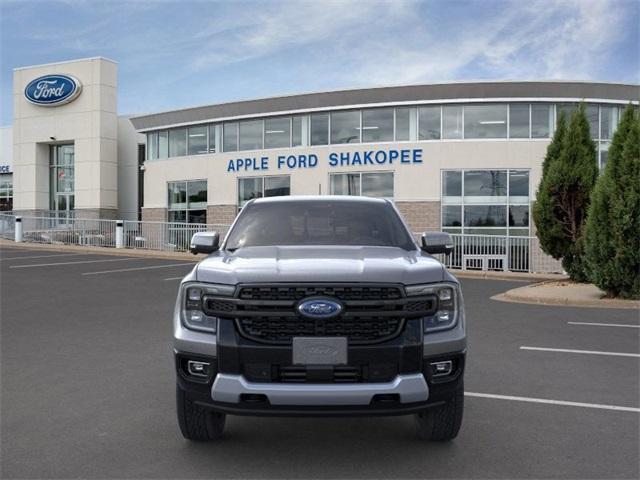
320,306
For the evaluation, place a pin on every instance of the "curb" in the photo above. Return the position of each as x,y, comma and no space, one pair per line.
511,276
561,301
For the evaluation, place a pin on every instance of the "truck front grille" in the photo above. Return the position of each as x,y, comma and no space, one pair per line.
281,330
372,313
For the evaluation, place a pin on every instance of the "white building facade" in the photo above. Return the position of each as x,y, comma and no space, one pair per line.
461,157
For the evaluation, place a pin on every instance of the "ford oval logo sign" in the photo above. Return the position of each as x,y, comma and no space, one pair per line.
319,308
53,90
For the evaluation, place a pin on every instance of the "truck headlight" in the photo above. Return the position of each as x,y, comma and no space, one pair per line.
448,301
193,316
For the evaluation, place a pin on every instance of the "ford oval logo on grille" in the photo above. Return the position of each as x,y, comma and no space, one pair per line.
319,308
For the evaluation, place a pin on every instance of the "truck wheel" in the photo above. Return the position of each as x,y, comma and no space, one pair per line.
443,422
198,423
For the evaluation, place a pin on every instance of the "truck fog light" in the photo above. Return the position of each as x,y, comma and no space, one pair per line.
198,369
195,316
441,369
444,315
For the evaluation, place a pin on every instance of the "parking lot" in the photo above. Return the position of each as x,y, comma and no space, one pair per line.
88,388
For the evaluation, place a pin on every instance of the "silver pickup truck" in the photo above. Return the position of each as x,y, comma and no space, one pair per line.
316,306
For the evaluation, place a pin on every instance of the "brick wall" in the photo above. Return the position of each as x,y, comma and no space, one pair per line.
221,214
154,214
421,216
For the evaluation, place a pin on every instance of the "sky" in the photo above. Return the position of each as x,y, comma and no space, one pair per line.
176,54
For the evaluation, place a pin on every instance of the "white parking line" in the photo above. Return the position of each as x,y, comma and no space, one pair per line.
590,352
604,324
138,268
173,278
552,402
42,256
73,263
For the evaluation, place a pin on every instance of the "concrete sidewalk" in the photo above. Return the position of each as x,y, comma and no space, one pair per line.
564,292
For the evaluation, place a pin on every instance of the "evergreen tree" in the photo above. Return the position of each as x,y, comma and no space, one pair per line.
612,236
548,229
561,208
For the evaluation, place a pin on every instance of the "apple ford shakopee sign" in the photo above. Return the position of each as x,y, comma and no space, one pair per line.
53,90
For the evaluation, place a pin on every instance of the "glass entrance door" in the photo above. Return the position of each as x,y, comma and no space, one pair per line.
62,181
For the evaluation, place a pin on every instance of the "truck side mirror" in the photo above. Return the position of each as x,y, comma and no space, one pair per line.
205,242
437,242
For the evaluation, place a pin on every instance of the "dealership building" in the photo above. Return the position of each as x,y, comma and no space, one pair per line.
463,157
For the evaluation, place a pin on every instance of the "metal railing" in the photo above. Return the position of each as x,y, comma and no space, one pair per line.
165,236
499,253
69,231
7,226
471,252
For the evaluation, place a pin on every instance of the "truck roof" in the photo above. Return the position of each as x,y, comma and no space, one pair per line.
316,198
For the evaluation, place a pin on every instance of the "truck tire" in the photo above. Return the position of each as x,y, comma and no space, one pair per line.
441,423
198,423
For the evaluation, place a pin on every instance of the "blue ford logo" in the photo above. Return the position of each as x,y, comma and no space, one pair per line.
52,90
319,308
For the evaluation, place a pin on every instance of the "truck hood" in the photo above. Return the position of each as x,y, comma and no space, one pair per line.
320,264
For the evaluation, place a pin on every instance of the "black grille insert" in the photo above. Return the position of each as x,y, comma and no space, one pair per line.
281,330
372,313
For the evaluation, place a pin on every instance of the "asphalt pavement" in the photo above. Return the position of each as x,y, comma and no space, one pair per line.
87,389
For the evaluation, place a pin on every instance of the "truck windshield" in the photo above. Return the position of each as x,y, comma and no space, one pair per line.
319,222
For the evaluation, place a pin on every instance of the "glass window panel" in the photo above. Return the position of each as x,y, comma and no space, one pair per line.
177,195
452,216
604,153
64,178
429,123
296,131
62,202
251,135
197,140
485,215
379,184
230,137
197,216
452,184
320,129
592,117
519,120
403,122
277,132
345,127
277,186
518,232
197,194
484,231
519,216
519,183
178,216
485,183
178,142
567,108
248,189
163,144
345,184
212,139
608,122
485,121
377,125
452,121
541,120
152,146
